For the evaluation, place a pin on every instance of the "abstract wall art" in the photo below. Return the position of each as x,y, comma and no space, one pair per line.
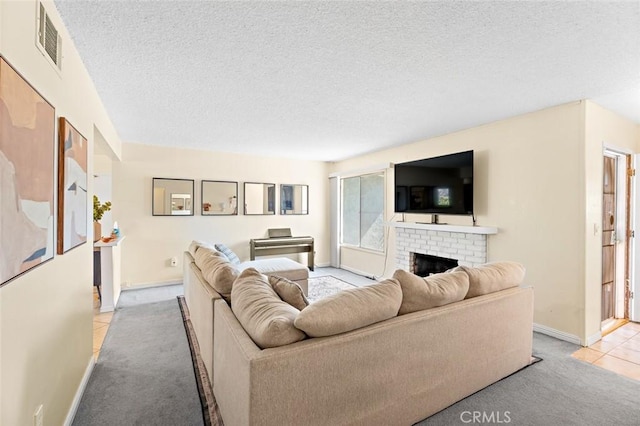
72,187
27,178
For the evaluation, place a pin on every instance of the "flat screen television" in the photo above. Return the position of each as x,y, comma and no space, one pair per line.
437,185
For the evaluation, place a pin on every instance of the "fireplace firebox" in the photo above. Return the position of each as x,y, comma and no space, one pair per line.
424,265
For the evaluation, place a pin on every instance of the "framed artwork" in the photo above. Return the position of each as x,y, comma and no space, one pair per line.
72,187
27,175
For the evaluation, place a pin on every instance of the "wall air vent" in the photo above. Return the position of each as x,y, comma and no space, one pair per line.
48,39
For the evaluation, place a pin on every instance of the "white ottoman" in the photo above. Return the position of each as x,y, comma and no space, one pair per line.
282,267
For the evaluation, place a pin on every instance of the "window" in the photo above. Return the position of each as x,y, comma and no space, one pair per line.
363,211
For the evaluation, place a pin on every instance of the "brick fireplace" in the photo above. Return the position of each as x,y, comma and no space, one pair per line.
466,244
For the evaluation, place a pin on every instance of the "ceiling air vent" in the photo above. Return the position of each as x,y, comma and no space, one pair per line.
48,39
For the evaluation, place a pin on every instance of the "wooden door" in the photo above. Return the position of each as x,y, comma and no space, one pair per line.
609,238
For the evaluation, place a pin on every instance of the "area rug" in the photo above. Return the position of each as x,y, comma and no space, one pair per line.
210,411
321,287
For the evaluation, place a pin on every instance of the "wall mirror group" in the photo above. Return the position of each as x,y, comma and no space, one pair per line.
172,197
259,198
219,198
175,197
294,199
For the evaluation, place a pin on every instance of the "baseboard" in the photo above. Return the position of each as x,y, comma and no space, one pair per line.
79,392
322,265
594,338
150,285
567,337
357,272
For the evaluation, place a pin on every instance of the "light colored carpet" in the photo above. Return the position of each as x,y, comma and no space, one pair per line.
321,287
210,411
144,375
558,391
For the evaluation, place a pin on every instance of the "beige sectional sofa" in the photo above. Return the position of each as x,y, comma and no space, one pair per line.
397,370
200,295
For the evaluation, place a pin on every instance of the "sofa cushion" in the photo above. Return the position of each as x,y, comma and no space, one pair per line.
195,244
419,293
289,292
492,277
216,270
266,318
281,266
351,309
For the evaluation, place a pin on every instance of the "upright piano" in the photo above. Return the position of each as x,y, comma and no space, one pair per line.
280,241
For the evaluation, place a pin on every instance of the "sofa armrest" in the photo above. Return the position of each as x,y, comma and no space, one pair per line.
234,352
200,298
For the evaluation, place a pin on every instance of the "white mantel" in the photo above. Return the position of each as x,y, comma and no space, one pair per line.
463,229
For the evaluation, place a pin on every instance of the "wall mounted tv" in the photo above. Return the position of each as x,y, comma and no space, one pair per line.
438,185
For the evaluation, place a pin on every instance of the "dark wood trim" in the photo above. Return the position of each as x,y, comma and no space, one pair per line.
627,236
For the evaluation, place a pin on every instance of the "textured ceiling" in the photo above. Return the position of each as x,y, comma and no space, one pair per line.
330,80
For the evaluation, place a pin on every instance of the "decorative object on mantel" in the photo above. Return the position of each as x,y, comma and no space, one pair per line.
99,210
27,176
116,230
72,187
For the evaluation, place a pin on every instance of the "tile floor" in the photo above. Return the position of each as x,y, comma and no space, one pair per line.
101,323
618,351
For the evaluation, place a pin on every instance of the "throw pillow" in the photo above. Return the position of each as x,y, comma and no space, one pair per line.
419,293
351,309
289,292
233,258
266,319
216,270
492,277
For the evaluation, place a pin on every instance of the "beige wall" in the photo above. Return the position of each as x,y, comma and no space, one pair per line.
46,315
529,182
151,241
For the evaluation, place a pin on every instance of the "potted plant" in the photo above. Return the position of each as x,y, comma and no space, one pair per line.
98,211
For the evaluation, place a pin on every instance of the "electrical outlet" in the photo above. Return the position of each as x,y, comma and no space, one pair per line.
37,416
174,261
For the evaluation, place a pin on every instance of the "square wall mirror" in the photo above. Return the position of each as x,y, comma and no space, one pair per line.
259,198
219,198
294,199
172,197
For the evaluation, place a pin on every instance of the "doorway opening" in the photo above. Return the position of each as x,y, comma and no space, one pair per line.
616,239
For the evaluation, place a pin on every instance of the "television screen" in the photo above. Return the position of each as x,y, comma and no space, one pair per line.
438,185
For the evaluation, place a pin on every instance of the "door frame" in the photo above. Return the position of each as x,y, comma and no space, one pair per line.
634,252
625,213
